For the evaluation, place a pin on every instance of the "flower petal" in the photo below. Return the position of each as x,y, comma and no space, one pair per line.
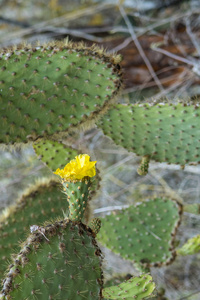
78,168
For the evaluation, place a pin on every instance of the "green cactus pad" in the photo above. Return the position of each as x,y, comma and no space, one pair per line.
143,233
48,90
192,208
167,133
135,288
78,195
39,203
60,261
192,246
56,155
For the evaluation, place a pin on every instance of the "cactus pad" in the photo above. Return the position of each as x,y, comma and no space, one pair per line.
192,246
135,288
40,203
66,266
54,154
48,90
143,233
77,193
166,133
192,208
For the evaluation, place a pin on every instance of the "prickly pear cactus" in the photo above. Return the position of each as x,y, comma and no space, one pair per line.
55,155
143,233
39,203
60,261
192,246
165,133
48,90
134,288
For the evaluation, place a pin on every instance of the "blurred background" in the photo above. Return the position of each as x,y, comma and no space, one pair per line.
159,41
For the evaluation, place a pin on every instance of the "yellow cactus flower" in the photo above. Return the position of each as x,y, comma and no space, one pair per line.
78,168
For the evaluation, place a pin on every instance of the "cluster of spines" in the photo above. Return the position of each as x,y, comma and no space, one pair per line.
144,165
95,225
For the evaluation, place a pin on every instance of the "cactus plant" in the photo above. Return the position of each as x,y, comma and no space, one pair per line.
119,281
66,266
62,258
164,133
76,253
62,261
143,233
37,204
48,90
